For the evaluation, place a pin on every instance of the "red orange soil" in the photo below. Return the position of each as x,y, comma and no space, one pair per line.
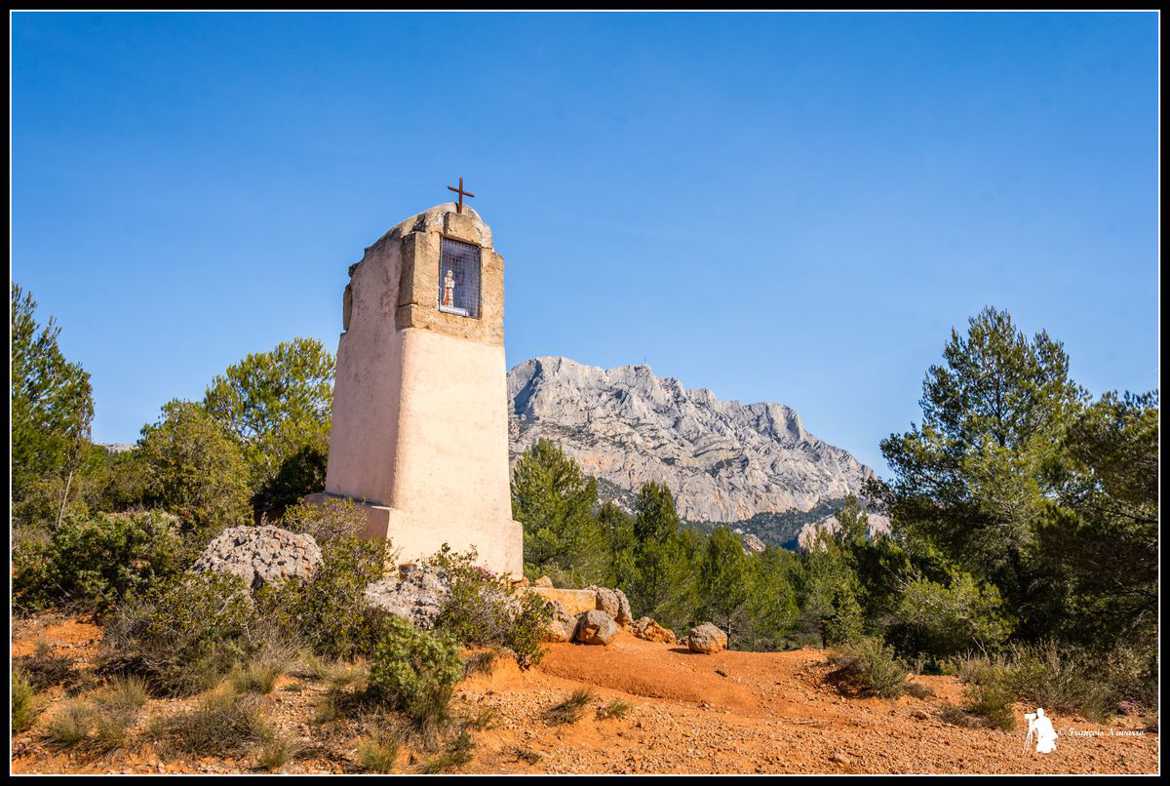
734,712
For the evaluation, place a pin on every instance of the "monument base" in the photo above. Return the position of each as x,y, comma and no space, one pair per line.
414,540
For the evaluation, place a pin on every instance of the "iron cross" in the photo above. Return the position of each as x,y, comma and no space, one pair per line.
461,193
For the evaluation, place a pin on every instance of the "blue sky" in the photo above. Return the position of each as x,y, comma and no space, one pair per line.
787,207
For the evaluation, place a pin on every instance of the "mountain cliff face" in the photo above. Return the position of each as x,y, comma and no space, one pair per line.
724,461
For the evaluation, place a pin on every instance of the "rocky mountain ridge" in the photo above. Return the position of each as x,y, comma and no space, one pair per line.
725,462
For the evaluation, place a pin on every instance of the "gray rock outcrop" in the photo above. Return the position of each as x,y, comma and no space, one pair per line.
416,594
707,639
876,526
261,555
595,627
614,603
724,461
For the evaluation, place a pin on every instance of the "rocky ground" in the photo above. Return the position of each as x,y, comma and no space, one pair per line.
731,712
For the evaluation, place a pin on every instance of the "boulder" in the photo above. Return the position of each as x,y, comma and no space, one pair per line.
562,626
707,639
648,629
261,555
416,594
595,627
614,603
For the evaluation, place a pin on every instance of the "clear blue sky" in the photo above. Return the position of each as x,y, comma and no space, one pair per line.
785,207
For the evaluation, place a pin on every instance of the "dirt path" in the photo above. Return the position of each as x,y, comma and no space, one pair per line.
734,712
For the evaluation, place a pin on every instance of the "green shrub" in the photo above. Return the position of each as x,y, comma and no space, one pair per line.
329,613
482,609
96,561
331,520
184,636
991,698
949,619
1061,678
869,667
26,704
416,671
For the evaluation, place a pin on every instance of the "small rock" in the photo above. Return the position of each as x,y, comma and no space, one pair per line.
649,630
840,758
543,581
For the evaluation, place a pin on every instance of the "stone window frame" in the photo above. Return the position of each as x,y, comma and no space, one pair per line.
478,277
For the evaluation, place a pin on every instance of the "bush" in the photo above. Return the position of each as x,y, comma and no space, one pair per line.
416,672
259,676
946,620
277,750
455,753
183,636
26,704
96,561
615,709
869,667
331,520
329,612
991,698
482,609
194,469
1061,678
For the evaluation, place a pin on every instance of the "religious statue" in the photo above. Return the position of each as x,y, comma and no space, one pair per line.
449,288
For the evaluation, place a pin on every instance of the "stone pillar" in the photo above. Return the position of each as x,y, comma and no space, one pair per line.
420,421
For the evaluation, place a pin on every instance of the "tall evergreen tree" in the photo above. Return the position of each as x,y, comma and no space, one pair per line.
971,481
52,406
554,501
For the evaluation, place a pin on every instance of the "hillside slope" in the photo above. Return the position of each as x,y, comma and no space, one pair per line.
733,712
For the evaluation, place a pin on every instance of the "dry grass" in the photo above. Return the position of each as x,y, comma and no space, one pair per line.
26,704
378,752
276,752
570,710
455,754
222,724
615,709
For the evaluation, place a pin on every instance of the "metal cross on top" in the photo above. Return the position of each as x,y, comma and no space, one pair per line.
461,193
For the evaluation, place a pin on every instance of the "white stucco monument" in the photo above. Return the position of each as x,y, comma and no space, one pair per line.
420,420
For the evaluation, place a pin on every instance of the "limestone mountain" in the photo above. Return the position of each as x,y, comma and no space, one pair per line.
754,465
